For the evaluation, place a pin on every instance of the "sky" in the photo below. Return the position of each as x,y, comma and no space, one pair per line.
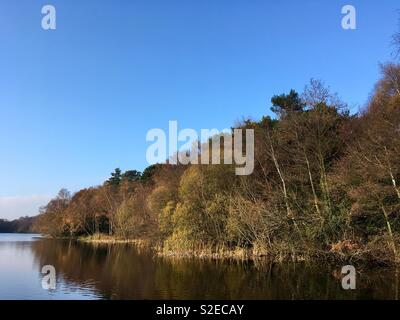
77,102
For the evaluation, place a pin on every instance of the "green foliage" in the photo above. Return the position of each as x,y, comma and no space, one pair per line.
149,172
116,177
131,176
287,103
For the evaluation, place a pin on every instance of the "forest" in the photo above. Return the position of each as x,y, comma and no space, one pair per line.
326,185
21,225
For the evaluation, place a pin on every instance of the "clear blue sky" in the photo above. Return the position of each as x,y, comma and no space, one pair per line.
77,102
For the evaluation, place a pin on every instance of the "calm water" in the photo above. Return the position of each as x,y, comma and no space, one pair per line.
87,271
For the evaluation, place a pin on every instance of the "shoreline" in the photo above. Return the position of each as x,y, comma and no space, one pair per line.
241,254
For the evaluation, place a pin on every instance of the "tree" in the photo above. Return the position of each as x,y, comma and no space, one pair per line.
370,172
131,176
285,104
51,218
396,42
149,172
63,196
115,177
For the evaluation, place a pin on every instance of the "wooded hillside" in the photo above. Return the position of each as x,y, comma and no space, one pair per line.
325,183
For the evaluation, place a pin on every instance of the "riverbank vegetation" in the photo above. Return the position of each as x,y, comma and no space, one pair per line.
326,184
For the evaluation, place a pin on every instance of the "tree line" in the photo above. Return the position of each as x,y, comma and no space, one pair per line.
325,184
21,225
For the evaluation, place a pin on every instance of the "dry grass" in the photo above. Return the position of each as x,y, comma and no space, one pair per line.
101,238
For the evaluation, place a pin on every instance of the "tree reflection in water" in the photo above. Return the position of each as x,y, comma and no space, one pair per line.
115,271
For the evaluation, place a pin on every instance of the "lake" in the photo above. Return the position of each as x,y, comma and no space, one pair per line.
121,271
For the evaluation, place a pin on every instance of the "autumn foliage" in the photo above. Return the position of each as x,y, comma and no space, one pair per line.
326,184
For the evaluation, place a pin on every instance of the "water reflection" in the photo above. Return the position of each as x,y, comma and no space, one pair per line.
88,271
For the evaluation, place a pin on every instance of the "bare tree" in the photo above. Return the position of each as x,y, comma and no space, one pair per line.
396,42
